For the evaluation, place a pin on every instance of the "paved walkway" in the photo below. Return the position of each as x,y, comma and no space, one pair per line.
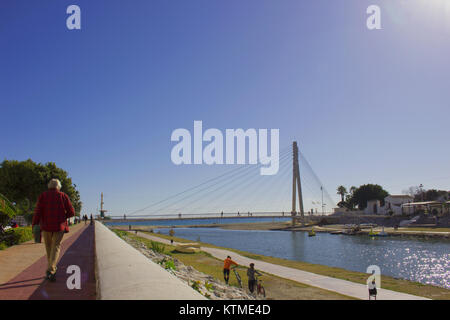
17,258
22,269
125,273
344,287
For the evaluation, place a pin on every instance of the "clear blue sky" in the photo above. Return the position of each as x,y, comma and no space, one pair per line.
102,102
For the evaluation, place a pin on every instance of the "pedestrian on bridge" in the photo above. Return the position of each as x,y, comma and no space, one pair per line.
52,211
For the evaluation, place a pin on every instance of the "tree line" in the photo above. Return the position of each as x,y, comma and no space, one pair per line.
21,182
358,197
419,194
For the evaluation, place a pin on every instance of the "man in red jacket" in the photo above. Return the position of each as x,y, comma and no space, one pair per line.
52,211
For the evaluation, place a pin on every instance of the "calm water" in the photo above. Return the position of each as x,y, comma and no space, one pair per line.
425,261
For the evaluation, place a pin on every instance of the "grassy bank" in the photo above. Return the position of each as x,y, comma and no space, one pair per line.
276,288
18,235
415,288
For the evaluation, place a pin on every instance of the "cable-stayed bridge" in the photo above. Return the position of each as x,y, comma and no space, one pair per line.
295,191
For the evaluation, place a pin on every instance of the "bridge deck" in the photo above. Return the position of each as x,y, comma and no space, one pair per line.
242,216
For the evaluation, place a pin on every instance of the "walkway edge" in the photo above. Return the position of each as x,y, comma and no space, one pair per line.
126,274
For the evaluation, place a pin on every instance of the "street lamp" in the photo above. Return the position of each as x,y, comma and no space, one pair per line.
321,188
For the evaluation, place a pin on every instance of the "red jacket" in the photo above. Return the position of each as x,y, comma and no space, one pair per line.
227,263
52,210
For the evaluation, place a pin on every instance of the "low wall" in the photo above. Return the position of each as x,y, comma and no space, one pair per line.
124,273
387,221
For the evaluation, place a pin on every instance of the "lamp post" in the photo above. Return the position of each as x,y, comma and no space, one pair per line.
321,189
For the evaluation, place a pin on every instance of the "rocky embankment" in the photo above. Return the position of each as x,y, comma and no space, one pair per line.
205,284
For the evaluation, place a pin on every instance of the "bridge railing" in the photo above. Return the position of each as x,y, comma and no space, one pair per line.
214,215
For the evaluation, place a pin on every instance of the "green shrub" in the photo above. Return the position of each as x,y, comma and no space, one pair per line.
120,233
157,247
16,236
169,264
208,286
196,285
23,234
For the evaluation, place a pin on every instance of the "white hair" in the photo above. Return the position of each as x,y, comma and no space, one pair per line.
54,184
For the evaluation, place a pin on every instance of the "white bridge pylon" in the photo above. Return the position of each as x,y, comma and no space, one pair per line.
296,184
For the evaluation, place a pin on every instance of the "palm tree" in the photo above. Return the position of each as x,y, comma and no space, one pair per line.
341,190
349,198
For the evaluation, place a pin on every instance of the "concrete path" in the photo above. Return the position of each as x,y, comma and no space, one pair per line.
344,287
27,281
15,259
125,273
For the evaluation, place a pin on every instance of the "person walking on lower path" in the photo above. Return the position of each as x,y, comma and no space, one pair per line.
92,220
251,277
52,211
226,268
372,289
85,218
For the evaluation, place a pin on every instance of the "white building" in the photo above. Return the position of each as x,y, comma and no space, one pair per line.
373,207
394,203
391,203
